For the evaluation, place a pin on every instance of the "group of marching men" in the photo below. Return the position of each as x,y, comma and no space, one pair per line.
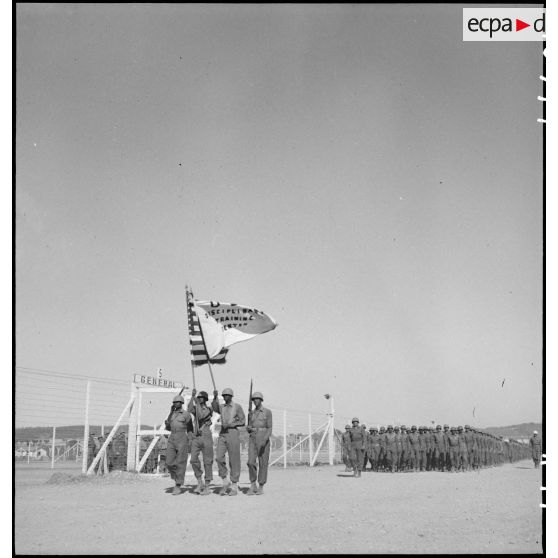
426,449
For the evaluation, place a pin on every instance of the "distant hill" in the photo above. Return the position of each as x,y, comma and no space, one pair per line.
516,431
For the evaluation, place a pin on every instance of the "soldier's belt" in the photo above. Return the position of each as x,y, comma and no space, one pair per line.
259,427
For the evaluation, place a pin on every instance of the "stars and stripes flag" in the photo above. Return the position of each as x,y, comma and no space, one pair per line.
215,326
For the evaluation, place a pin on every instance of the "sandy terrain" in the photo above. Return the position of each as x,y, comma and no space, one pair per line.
320,510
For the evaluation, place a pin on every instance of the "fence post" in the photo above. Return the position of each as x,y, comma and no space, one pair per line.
132,432
28,451
310,440
285,438
53,447
86,430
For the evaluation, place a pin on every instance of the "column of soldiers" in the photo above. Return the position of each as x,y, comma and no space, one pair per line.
398,449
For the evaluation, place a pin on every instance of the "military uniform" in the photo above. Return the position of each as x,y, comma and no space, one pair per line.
439,452
260,425
202,442
232,417
414,444
391,448
357,447
178,446
346,448
374,448
453,444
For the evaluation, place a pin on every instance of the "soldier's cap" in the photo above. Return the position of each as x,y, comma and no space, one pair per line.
363,425
373,429
396,428
535,432
257,395
178,398
355,419
347,426
382,427
227,391
203,394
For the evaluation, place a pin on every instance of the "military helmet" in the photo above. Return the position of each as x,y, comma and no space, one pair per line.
363,425
390,427
258,395
413,427
178,398
347,427
373,429
355,419
396,428
203,394
382,428
460,428
467,427
227,391
446,426
438,427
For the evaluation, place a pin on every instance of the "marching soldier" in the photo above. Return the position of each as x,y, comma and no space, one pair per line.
422,447
232,416
357,447
374,448
463,461
179,423
414,444
202,441
260,424
471,443
447,462
365,455
391,448
398,447
403,460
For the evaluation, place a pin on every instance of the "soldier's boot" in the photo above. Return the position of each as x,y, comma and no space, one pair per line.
224,489
234,489
176,490
260,489
355,473
252,490
205,490
199,488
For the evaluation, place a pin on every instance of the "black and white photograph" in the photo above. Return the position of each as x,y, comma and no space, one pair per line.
279,278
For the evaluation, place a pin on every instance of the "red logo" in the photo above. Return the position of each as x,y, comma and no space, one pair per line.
519,25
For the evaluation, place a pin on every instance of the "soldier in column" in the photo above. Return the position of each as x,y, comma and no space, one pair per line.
357,447
391,448
414,448
232,417
202,441
398,447
463,450
179,423
447,463
439,449
365,451
403,459
346,448
470,441
382,459
453,444
260,425
374,448
422,447
535,444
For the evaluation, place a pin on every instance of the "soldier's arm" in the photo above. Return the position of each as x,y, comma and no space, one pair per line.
269,421
215,404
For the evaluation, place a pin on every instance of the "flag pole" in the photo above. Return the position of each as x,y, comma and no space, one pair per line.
189,339
204,346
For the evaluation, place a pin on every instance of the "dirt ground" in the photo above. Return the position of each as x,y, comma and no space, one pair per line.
303,511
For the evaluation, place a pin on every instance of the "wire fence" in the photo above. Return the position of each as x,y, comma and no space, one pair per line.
52,409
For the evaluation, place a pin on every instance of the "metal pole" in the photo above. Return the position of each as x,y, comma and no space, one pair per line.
28,451
285,438
310,440
300,453
132,431
86,430
103,430
138,437
53,447
331,440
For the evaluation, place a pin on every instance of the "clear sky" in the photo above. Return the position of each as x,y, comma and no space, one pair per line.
358,172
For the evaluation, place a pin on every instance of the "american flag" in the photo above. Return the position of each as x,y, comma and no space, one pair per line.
197,343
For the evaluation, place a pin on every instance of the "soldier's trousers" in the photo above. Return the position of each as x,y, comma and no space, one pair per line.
203,444
391,458
373,456
357,456
258,460
413,457
454,458
229,441
422,459
463,458
345,457
177,455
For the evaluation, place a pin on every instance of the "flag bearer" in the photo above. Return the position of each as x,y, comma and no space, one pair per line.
232,416
179,423
202,441
260,423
